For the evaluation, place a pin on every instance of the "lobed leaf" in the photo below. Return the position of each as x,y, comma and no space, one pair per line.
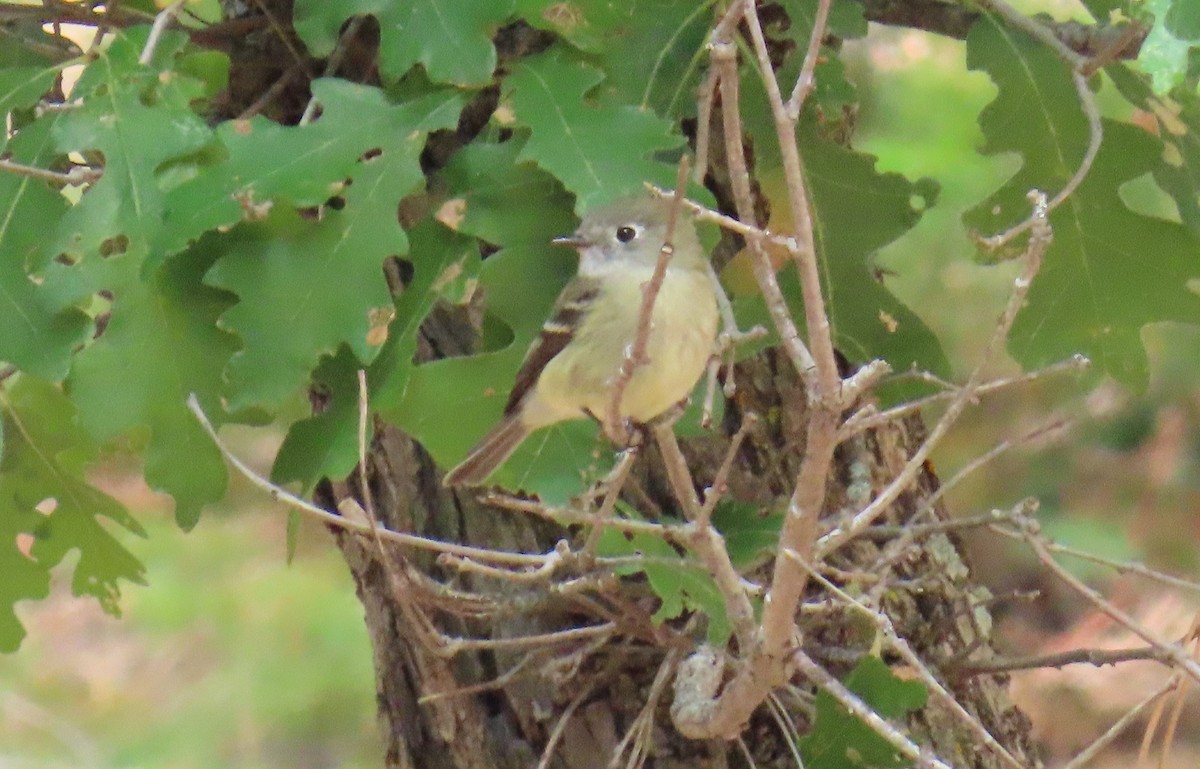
1109,270
48,509
574,139
452,41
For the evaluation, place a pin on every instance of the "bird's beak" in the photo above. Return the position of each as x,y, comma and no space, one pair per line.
571,241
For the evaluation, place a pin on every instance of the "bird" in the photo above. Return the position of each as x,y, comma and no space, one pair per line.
570,370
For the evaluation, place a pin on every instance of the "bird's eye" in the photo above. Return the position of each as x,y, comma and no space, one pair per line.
626,233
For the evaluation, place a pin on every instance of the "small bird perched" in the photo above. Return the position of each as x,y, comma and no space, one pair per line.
571,369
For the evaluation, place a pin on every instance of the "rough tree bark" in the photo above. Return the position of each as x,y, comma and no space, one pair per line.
445,709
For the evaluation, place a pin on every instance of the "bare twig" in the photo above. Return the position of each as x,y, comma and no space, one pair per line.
865,419
560,727
1087,100
1121,567
333,62
76,176
637,735
804,81
1038,243
614,482
1174,652
1118,728
901,646
1096,657
342,522
816,317
724,59
849,700
161,22
1059,425
713,494
703,539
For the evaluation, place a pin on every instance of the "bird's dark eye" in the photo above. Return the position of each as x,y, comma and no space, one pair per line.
626,233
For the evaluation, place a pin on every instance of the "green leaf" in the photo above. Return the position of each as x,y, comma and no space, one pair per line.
265,164
652,51
1109,271
44,496
22,87
858,211
1176,31
1177,167
326,444
453,41
573,138
747,531
34,337
502,201
308,287
681,585
1183,20
136,117
161,344
839,740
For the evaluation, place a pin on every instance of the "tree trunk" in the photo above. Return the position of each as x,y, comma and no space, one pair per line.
602,690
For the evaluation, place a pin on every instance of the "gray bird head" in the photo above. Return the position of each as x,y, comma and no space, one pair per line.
629,233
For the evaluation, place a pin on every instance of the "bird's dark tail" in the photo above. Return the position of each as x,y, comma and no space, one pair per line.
497,446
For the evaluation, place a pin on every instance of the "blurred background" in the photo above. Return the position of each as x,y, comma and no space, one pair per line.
234,658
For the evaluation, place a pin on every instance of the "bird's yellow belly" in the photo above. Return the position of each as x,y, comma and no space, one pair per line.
683,327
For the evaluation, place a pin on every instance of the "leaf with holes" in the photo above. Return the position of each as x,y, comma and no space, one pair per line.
264,163
160,344
133,118
34,335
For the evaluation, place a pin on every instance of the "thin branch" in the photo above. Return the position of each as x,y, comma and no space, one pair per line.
703,539
360,527
1030,533
1091,110
635,356
1058,425
816,317
76,176
868,418
643,724
901,646
849,700
614,482
333,62
723,54
804,81
555,638
1121,567
561,726
161,22
1118,728
1038,242
955,20
1095,657
713,494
